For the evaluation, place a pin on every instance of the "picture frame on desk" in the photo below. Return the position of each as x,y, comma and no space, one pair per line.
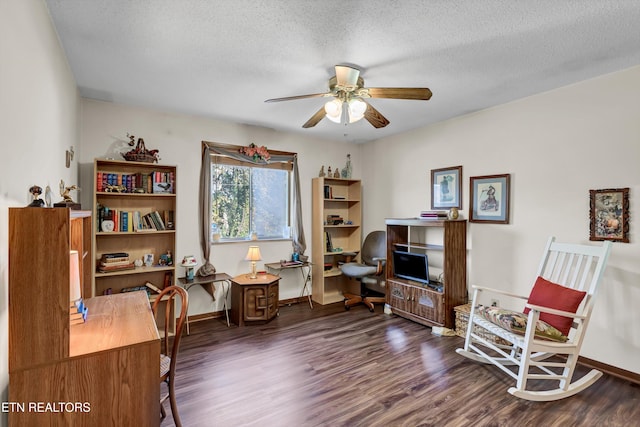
489,199
446,188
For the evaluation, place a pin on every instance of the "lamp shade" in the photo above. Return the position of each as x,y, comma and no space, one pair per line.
334,110
357,108
253,254
74,276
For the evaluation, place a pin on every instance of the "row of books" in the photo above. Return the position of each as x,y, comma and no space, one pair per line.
135,221
154,182
328,244
433,214
115,261
328,193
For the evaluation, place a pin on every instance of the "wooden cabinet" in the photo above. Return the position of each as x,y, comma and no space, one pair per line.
445,243
336,236
254,300
54,363
134,193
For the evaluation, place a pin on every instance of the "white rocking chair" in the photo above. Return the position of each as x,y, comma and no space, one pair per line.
578,267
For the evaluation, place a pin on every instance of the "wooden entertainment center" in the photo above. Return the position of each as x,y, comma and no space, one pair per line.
445,242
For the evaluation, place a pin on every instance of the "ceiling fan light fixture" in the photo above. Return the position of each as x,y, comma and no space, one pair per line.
333,109
357,108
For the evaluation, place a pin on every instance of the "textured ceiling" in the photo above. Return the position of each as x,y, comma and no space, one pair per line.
223,58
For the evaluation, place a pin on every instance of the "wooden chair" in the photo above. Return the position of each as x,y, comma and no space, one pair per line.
543,343
369,272
169,353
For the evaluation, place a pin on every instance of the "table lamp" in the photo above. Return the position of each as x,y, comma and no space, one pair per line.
189,263
253,255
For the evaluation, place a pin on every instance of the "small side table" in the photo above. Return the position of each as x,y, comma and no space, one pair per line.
222,278
254,300
277,268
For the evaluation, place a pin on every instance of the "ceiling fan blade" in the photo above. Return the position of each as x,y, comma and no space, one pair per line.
418,93
374,117
292,98
347,77
315,119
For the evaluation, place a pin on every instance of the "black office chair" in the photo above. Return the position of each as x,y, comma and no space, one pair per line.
370,273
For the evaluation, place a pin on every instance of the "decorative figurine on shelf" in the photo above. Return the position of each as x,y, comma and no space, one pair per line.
337,173
321,174
48,195
67,201
329,172
36,192
453,214
346,171
140,153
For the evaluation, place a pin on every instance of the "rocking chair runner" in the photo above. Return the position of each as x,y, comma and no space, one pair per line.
578,269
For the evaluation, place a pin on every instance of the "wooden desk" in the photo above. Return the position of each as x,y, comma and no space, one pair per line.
210,280
277,267
254,300
112,372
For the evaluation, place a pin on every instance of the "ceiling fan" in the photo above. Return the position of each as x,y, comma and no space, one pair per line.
347,90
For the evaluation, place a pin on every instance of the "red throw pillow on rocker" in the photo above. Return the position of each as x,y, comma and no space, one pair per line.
552,295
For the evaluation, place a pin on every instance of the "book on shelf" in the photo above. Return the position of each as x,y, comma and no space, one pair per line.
327,242
168,217
136,288
112,268
115,255
153,287
111,263
158,220
328,193
290,263
433,214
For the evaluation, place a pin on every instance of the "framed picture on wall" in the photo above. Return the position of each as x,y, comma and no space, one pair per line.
609,215
489,199
446,188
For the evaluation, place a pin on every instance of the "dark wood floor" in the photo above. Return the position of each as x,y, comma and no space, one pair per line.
331,367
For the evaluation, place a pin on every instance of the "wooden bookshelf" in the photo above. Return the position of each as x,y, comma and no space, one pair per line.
340,199
140,190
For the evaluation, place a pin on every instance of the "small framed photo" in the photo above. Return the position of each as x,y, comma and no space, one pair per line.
446,188
148,260
489,199
609,215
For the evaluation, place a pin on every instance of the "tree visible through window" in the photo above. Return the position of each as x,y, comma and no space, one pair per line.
249,199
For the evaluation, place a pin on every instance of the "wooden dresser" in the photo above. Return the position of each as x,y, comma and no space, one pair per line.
104,372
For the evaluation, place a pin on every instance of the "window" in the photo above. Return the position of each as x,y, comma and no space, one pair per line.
249,198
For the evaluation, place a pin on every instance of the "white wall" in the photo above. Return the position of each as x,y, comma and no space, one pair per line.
39,108
179,138
556,146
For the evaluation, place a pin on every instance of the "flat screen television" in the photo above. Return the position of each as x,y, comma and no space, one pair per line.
411,266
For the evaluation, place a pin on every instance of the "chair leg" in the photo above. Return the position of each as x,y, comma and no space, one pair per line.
163,413
350,300
370,301
174,406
